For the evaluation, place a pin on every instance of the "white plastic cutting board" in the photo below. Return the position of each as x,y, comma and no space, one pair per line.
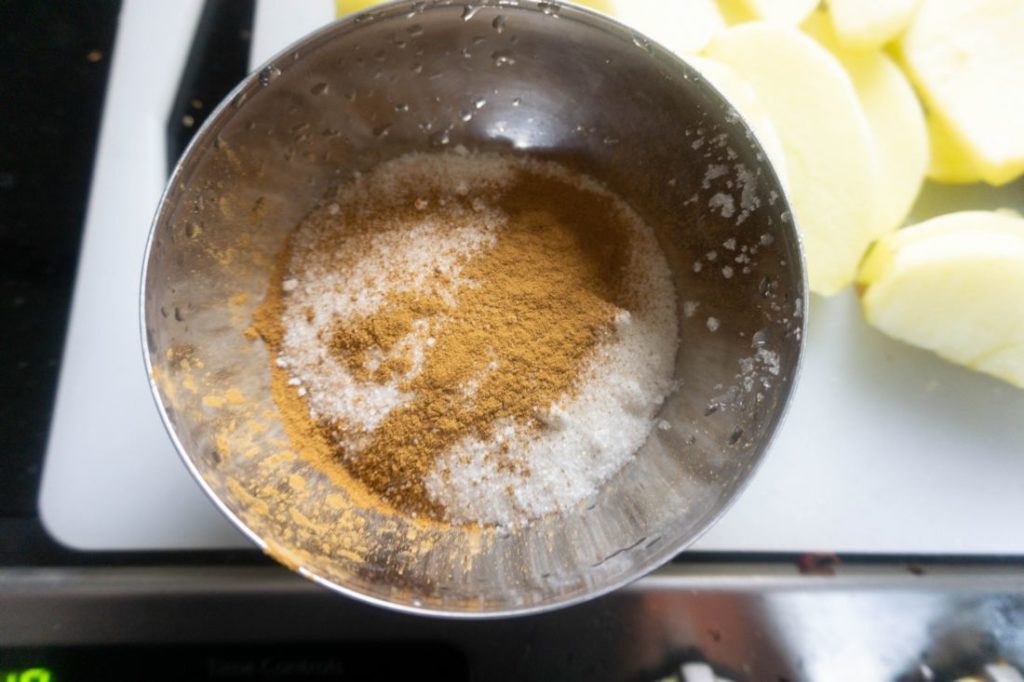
886,449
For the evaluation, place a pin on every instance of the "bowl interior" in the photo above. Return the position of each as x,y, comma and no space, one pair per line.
559,83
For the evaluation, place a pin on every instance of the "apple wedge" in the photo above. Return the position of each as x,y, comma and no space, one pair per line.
683,27
950,162
967,59
742,96
736,12
831,158
790,12
953,285
870,24
897,123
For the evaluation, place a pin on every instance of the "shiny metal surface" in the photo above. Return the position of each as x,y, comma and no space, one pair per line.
751,622
557,82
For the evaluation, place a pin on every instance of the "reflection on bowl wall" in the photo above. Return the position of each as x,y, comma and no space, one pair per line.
560,83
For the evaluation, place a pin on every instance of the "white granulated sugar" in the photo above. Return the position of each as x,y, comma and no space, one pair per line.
713,172
749,202
770,360
338,274
723,203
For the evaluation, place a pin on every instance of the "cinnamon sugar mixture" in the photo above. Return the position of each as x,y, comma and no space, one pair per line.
475,338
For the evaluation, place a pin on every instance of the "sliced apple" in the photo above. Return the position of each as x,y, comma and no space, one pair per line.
967,59
869,24
742,96
684,27
736,12
606,6
951,163
896,119
953,285
831,157
344,7
790,12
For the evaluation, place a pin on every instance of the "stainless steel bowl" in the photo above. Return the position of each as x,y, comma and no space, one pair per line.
556,81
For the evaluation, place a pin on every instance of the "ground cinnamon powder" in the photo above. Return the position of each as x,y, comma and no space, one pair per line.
512,343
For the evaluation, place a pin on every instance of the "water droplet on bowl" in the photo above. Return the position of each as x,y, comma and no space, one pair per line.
469,11
466,116
503,58
415,30
402,107
267,74
551,9
319,89
479,103
382,130
499,23
642,42
517,101
440,138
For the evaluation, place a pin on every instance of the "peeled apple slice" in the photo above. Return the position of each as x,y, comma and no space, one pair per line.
967,59
869,24
605,6
742,96
831,159
343,7
950,162
736,12
790,12
896,119
683,26
953,285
